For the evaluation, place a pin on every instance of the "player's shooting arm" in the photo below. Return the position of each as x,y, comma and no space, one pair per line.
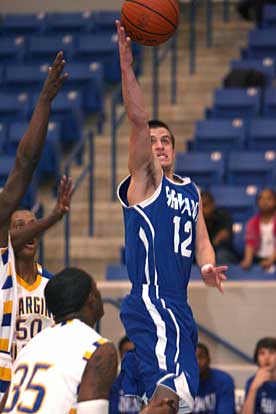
30,147
21,236
204,250
140,153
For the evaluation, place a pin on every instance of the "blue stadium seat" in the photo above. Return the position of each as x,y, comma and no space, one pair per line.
219,135
261,44
116,272
266,66
87,78
256,168
25,77
104,20
269,106
238,238
21,23
66,109
2,67
269,16
3,137
49,164
203,168
69,22
236,103
13,106
12,49
262,134
43,49
6,164
239,201
101,48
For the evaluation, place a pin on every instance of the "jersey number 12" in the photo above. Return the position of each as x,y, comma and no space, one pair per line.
184,250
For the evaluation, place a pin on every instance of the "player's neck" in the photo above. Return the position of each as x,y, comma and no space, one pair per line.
27,270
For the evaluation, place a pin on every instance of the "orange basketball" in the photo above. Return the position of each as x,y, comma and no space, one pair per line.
150,22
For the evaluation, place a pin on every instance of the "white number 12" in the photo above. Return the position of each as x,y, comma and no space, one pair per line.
185,244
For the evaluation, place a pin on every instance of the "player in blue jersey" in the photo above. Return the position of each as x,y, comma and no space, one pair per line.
261,388
164,229
216,391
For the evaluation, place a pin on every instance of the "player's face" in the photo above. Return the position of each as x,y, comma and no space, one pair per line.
267,358
267,202
161,144
19,220
202,360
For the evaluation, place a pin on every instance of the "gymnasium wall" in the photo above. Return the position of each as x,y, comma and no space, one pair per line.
30,6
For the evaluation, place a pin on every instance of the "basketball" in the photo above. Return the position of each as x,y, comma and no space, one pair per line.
150,22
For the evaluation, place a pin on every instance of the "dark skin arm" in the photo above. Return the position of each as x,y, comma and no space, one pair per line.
20,236
30,147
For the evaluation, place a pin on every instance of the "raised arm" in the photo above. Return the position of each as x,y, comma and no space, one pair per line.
205,256
144,168
30,147
21,236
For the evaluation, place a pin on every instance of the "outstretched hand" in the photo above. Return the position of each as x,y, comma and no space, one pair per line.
65,192
164,406
124,43
55,78
214,276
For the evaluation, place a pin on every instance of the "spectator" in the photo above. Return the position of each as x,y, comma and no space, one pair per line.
260,235
119,403
261,388
219,226
215,393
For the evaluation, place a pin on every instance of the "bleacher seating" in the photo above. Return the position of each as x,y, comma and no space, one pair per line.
219,135
13,106
261,44
246,168
239,201
204,168
69,22
3,137
269,109
266,66
12,49
22,23
262,134
269,16
236,103
43,49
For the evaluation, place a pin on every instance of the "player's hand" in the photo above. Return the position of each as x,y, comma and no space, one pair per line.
164,406
262,375
214,276
124,43
65,192
55,78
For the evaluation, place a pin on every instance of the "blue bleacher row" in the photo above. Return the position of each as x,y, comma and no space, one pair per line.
28,45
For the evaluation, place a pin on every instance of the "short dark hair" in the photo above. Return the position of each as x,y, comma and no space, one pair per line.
203,348
266,189
267,342
156,123
124,340
67,291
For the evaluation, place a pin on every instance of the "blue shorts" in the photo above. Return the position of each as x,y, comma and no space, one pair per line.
165,337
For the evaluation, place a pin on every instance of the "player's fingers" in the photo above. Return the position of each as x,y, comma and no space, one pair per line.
219,285
221,268
58,59
222,276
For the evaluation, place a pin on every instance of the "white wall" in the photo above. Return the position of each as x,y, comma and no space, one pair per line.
27,6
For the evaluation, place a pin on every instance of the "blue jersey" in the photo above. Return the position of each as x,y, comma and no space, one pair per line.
160,242
215,394
265,402
160,235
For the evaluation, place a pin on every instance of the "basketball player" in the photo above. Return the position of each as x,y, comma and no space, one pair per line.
32,314
164,229
27,157
69,364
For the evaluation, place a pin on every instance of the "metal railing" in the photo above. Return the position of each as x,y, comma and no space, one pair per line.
218,339
88,169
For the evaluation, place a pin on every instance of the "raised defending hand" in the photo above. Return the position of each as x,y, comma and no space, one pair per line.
124,42
65,192
164,406
55,78
214,276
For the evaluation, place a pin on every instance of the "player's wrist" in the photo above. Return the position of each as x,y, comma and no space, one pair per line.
206,267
